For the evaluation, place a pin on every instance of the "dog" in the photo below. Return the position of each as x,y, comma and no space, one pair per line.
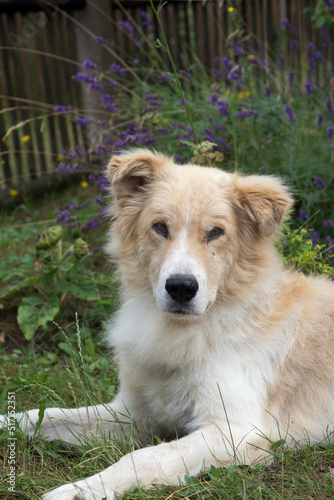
221,349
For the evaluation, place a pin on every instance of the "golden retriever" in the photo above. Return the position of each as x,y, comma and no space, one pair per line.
218,344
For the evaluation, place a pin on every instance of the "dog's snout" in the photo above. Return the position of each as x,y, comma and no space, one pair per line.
182,287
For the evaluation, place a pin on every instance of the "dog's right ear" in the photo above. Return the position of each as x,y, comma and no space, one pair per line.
131,173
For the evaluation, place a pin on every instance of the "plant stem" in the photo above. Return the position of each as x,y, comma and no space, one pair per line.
178,83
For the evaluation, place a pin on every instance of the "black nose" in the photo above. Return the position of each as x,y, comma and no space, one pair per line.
182,287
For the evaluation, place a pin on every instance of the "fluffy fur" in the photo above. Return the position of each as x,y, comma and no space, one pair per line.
248,358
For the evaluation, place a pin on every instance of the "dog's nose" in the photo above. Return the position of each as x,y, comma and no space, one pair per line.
182,287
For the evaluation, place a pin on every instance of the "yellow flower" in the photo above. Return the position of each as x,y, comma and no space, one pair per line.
84,184
3,139
247,93
240,96
120,94
156,120
59,157
25,138
250,57
230,9
13,192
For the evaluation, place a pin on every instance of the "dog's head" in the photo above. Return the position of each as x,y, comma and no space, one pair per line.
191,235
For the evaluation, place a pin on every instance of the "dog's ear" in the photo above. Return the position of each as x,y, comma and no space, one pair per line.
265,201
132,172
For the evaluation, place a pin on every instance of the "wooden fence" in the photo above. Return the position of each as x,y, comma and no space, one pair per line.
42,46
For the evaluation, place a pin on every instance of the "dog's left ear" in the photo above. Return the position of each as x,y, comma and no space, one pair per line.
131,172
264,199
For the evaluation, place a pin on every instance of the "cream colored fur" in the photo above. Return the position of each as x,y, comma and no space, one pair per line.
247,360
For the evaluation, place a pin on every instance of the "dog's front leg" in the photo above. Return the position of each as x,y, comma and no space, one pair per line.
76,424
166,463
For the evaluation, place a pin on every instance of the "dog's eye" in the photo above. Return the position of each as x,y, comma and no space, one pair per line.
160,228
215,233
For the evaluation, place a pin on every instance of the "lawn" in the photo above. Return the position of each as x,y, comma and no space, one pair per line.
58,290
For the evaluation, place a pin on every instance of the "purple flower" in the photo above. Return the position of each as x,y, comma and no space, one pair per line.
185,74
293,45
223,108
165,78
310,58
82,121
329,108
330,132
118,69
328,223
290,114
60,108
217,73
90,65
82,77
178,158
315,237
303,215
308,88
100,39
281,62
320,120
96,86
291,77
128,28
213,99
226,63
319,182
181,101
268,91
146,21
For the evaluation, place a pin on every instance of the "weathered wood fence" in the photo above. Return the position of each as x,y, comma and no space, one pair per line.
42,44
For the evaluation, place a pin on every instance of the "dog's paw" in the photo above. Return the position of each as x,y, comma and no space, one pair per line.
91,489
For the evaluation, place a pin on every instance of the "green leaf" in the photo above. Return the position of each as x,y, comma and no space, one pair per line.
67,348
277,444
86,290
41,411
34,312
90,348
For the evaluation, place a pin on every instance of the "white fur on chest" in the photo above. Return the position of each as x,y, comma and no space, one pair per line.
200,371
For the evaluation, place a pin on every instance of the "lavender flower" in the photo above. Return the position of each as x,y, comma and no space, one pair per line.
290,114
223,108
291,77
320,120
146,21
329,108
118,69
96,86
60,108
328,223
315,237
213,99
319,182
82,121
303,215
268,91
128,28
330,132
90,65
308,88
165,78
281,62
310,58
293,45
179,158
